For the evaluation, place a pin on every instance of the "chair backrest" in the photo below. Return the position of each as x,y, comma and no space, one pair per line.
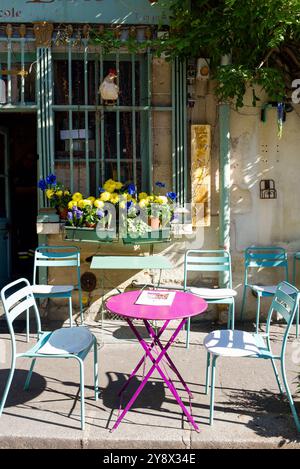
17,297
260,257
56,256
286,305
200,260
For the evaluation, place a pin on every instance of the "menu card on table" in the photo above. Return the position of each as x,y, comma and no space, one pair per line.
156,298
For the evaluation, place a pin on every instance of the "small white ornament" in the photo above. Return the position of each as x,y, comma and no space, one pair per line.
108,89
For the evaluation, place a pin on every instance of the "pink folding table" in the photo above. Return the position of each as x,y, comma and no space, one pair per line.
184,306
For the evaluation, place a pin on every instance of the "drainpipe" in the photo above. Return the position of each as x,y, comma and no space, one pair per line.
224,181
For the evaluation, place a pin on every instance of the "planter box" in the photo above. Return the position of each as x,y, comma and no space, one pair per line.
152,237
89,235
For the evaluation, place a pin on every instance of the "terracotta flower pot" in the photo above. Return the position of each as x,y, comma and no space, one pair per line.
62,212
155,223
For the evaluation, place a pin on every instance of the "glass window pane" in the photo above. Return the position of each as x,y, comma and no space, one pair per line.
110,144
126,135
2,154
61,87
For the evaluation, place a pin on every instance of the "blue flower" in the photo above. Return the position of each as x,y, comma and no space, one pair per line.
101,190
42,184
131,189
51,179
129,204
70,216
172,195
160,184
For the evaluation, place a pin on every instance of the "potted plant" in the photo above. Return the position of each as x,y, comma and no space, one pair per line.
57,195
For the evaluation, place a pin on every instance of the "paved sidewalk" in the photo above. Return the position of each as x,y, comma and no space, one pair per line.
249,412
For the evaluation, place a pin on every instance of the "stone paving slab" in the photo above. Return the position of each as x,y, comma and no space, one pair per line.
249,412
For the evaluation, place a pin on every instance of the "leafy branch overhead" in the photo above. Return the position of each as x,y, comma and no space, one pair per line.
261,36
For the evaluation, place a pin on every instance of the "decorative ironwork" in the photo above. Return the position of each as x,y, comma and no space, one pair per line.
43,33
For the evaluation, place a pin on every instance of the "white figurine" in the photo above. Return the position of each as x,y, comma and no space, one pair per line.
108,89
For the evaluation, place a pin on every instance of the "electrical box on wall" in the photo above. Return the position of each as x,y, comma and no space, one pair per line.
203,71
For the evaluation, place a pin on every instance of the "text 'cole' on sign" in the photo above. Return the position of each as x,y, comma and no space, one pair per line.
71,11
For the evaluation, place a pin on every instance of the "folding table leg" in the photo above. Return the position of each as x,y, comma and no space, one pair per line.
156,366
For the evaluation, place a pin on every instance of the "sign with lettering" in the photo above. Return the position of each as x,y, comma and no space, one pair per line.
82,11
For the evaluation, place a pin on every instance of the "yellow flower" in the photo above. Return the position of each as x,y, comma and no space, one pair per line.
144,203
91,198
98,203
67,193
77,196
143,195
119,185
161,199
114,198
49,193
84,203
105,196
59,193
109,185
72,204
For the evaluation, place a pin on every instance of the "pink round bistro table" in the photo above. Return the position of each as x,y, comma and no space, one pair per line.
184,306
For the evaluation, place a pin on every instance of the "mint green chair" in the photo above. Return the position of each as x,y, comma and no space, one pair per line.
228,343
16,303
56,256
260,258
206,261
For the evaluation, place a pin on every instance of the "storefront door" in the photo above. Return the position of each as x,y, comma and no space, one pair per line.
4,209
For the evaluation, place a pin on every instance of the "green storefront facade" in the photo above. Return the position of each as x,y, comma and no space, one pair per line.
52,118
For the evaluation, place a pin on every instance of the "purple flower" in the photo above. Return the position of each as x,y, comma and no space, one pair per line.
100,213
172,195
42,184
160,184
131,189
51,179
70,216
78,214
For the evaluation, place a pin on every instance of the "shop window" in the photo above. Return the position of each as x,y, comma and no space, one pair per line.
93,141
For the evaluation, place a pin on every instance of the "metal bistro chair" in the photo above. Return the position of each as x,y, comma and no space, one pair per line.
210,261
56,256
227,343
260,258
74,342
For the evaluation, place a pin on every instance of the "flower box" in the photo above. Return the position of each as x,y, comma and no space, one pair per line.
85,234
154,236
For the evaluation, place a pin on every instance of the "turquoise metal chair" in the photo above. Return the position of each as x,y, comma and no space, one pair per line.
198,260
15,304
258,257
56,256
228,343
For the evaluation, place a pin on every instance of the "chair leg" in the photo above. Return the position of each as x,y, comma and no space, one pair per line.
232,315
188,330
289,396
294,271
257,313
297,322
26,385
277,376
27,325
207,373
230,321
8,384
243,304
212,390
70,311
96,384
82,409
80,305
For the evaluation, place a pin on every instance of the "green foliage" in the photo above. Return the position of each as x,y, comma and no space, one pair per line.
262,37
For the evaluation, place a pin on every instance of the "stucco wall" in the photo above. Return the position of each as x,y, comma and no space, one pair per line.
258,153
